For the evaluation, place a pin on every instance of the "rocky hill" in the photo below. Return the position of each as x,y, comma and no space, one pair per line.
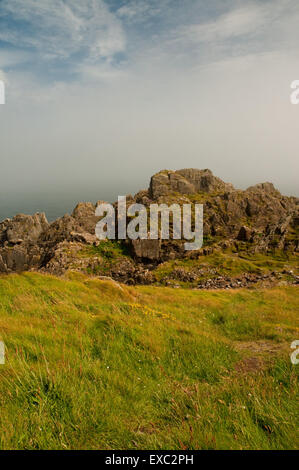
238,225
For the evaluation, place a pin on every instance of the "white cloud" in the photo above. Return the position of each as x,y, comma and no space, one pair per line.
139,10
253,28
240,22
58,28
249,20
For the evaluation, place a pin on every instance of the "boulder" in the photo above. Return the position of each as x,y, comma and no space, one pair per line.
205,181
60,230
84,237
187,181
146,249
23,228
19,258
84,215
265,187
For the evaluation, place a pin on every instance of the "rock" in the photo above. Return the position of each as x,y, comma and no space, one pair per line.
264,187
84,237
159,185
61,229
19,258
244,234
187,181
204,180
142,197
83,209
29,242
84,215
23,228
146,249
3,266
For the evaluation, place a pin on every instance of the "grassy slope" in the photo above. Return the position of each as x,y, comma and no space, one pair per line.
92,365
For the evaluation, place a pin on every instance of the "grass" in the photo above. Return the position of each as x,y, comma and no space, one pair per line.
107,249
109,252
229,264
91,364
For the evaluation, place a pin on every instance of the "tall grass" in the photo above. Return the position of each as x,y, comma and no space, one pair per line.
94,365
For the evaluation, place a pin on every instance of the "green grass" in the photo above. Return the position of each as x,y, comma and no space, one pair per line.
91,364
109,252
107,249
229,264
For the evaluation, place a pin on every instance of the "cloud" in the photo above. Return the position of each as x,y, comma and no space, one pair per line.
10,58
140,10
239,22
60,29
196,88
255,27
251,19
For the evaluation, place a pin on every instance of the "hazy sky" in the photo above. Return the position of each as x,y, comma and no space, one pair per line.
102,94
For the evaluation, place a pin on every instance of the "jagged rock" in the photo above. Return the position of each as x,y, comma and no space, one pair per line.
63,256
61,229
19,258
23,228
205,181
265,187
84,214
187,181
84,237
142,197
19,250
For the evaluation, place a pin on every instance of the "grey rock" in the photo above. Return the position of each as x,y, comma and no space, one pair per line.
146,249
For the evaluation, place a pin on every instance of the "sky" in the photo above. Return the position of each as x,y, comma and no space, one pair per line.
100,95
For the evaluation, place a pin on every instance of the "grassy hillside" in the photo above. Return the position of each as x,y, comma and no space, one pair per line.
91,364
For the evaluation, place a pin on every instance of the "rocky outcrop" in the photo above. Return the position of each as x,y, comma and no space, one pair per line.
19,258
188,181
19,250
264,187
22,228
258,219
259,216
205,181
84,215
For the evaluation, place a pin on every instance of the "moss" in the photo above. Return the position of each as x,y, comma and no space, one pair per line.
108,249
